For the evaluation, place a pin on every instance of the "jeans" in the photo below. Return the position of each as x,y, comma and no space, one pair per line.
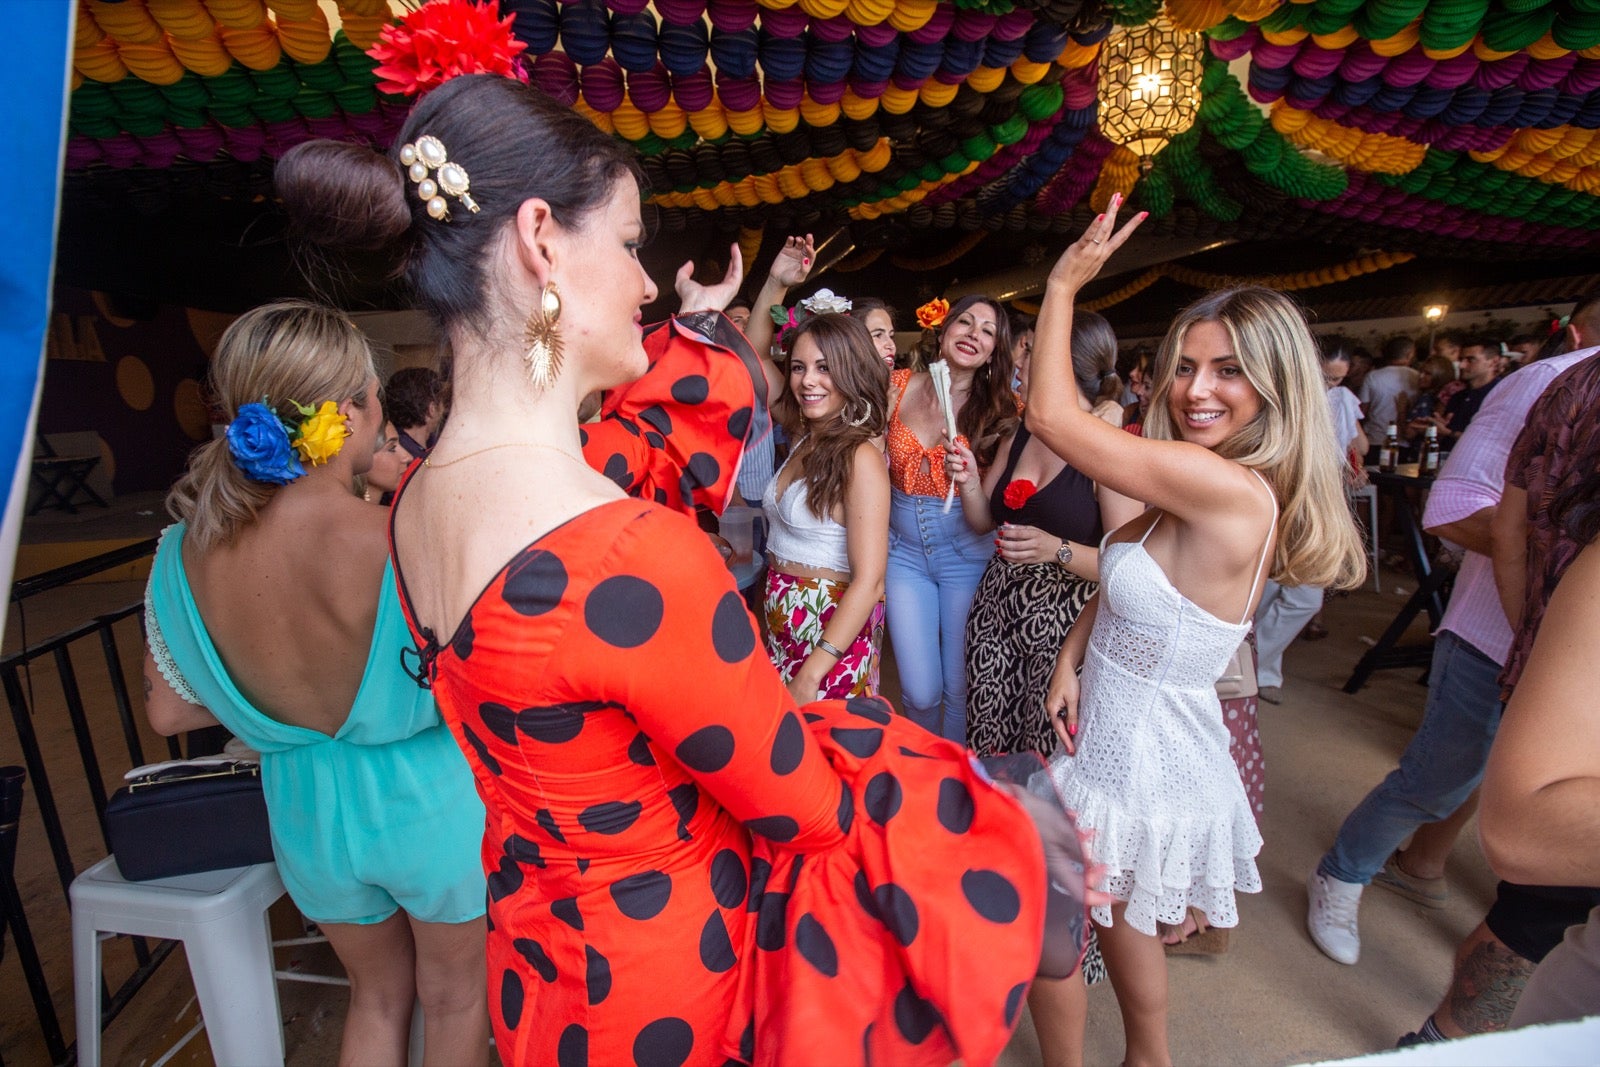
1282,613
1438,770
935,564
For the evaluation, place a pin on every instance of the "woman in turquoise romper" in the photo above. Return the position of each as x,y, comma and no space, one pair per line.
272,610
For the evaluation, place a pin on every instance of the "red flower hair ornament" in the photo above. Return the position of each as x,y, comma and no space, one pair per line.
442,40
1019,493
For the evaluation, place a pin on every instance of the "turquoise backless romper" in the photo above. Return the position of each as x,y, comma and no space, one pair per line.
383,814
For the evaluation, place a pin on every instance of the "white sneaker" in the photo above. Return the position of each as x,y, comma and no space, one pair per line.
1331,916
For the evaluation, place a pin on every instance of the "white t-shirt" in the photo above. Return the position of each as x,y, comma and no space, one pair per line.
1378,395
1346,411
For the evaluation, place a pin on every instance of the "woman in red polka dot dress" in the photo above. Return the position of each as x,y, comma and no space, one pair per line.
683,866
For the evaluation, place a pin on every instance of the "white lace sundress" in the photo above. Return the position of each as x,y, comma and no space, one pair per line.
1152,777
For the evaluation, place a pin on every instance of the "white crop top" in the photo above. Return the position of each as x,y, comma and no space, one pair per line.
795,535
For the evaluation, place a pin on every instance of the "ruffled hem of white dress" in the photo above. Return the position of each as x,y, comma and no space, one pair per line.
1160,865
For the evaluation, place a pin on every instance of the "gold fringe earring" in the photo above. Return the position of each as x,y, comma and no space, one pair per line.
542,336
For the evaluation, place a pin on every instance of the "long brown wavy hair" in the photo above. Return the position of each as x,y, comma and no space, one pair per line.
860,377
991,408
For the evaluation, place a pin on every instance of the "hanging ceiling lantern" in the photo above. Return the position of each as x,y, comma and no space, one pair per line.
1149,85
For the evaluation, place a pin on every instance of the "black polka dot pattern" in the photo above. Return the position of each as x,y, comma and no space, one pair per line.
703,470
461,643
554,725
716,948
898,911
535,582
522,850
728,880
914,1017
506,880
1014,1000
779,828
481,750
596,975
707,750
624,611
789,746
691,389
782,905
871,708
572,1050
639,751
642,896
685,800
772,922
566,909
511,997
536,956
547,823
616,469
846,813
610,817
862,743
732,636
955,809
501,721
992,895
882,797
815,946
657,416
664,1043
739,423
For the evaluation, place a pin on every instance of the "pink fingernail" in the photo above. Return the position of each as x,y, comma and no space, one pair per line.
1072,729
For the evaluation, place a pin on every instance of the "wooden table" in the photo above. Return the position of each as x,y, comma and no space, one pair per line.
1433,583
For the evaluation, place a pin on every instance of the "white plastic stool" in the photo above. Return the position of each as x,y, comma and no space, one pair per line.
221,918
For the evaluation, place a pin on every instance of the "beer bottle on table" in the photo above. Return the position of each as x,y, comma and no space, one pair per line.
1430,451
1389,454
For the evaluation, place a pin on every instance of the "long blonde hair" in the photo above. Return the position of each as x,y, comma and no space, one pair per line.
291,350
1290,440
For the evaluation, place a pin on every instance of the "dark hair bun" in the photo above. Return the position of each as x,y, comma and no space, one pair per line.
343,196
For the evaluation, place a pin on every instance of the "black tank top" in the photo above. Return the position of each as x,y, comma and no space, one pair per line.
1064,506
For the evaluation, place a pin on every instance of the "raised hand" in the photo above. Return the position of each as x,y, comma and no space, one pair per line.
793,262
1082,260
692,296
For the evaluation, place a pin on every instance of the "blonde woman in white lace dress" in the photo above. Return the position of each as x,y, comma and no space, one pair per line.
1238,468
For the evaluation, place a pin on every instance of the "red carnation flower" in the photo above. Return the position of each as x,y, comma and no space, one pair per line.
1019,493
442,40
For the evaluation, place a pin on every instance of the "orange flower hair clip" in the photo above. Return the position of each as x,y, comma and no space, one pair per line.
931,315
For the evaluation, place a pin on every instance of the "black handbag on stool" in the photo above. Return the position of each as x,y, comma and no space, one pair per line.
189,816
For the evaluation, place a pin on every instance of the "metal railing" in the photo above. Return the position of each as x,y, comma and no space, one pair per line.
29,711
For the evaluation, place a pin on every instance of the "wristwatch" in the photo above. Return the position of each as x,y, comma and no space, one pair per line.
1064,553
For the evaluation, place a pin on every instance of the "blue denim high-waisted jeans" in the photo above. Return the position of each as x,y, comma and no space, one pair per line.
935,564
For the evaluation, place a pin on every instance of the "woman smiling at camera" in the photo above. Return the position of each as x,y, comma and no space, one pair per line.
935,559
828,512
1242,478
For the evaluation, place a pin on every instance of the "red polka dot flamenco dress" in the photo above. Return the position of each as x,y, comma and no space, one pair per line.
684,867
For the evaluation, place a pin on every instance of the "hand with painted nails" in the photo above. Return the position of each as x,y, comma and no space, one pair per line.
692,296
793,262
1061,703
1084,258
959,462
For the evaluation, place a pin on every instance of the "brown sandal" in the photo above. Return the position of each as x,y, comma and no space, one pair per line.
1205,940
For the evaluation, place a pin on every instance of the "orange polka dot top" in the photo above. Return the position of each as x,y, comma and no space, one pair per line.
913,469
683,866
